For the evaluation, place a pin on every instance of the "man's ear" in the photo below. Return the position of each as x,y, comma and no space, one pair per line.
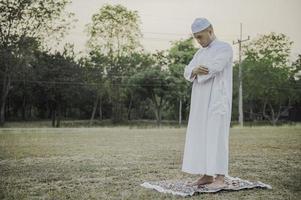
210,32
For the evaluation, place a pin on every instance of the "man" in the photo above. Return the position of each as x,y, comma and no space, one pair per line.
210,70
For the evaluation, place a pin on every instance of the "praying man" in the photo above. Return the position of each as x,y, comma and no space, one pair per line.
206,144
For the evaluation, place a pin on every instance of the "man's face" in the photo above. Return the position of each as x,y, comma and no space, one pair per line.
203,37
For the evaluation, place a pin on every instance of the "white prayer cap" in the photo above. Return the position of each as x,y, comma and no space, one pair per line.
200,24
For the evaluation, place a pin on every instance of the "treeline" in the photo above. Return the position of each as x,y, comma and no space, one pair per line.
117,79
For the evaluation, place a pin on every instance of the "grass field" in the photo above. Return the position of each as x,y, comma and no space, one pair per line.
111,163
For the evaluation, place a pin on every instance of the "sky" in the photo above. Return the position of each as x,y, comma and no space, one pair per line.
163,21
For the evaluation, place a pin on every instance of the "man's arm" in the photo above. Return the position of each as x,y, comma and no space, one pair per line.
188,74
217,63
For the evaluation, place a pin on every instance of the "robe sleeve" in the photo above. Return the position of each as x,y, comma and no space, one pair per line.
188,68
217,64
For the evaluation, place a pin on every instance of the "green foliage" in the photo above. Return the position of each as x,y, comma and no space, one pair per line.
182,51
25,26
153,84
272,49
267,75
114,30
45,20
180,55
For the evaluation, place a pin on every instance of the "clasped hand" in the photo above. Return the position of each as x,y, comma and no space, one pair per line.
199,70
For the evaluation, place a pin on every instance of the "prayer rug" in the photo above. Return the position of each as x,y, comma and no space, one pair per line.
180,187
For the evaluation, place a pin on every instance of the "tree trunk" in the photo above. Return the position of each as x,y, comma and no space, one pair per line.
31,112
274,116
157,109
116,105
264,111
158,116
53,113
5,89
130,107
273,120
251,114
100,108
58,122
94,109
24,117
180,113
8,108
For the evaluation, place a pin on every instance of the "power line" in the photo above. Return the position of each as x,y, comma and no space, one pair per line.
178,34
173,39
86,84
188,34
126,76
183,34
168,33
125,84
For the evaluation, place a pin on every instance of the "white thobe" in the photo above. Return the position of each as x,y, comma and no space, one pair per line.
207,134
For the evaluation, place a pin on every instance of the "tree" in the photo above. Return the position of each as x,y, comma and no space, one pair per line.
153,84
267,73
297,69
58,78
20,20
115,33
135,63
21,91
296,83
94,65
180,55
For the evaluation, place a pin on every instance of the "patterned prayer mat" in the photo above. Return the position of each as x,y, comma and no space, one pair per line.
179,187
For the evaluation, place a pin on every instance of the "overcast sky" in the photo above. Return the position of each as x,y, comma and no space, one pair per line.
167,20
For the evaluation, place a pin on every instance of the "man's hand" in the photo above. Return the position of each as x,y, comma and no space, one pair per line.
199,70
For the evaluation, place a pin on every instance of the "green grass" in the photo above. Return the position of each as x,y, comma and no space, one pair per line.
111,163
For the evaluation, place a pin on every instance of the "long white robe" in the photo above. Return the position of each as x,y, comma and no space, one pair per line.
207,134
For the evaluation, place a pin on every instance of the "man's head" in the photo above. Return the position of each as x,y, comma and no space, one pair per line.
202,31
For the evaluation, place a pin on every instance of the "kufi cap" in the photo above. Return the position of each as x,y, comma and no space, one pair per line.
199,24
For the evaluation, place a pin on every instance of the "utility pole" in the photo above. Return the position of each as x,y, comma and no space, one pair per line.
240,102
180,113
